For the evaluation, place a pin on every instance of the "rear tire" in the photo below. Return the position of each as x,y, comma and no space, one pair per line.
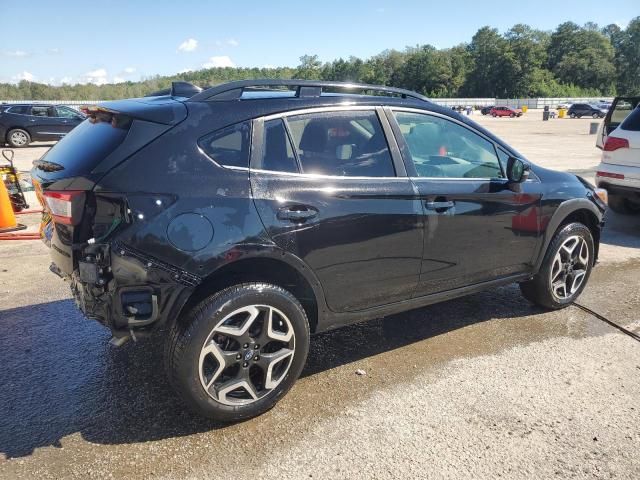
512,115
18,138
572,115
565,269
253,335
596,115
623,205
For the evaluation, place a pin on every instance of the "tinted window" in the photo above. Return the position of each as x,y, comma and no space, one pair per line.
81,150
20,110
348,144
277,153
632,122
442,148
229,146
40,111
66,112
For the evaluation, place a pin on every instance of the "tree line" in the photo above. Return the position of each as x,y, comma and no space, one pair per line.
571,61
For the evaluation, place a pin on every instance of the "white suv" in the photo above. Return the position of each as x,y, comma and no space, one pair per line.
619,169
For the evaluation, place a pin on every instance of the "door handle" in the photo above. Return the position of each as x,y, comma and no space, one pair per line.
297,213
440,205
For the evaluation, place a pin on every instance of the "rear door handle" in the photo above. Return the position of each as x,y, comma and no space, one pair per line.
440,205
297,213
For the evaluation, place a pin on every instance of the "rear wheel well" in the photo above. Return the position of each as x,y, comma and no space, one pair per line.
587,218
265,270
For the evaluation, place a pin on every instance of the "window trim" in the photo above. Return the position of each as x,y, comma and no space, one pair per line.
409,162
258,133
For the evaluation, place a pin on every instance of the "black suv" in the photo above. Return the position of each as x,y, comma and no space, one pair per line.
578,110
245,217
22,124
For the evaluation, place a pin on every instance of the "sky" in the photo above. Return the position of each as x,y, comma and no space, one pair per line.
112,41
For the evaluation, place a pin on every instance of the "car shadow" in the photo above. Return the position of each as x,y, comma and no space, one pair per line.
59,376
621,230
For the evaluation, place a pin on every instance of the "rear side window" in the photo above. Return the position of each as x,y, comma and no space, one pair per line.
82,149
345,144
229,146
277,153
632,122
38,111
20,110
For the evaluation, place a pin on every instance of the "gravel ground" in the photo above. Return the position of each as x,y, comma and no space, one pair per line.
485,386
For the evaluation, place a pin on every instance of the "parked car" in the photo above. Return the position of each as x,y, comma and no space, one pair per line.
564,106
620,109
22,124
241,222
579,110
619,169
486,110
505,112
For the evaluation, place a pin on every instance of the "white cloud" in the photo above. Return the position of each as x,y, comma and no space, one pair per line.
219,61
97,77
15,53
129,70
29,77
229,42
188,45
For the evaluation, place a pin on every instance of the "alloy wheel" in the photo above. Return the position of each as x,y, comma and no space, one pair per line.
19,138
569,268
246,355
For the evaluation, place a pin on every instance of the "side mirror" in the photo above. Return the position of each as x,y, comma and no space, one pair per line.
517,170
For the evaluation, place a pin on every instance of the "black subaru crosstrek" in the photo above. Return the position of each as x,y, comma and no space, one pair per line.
243,218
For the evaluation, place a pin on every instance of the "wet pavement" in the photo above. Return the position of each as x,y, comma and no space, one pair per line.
478,387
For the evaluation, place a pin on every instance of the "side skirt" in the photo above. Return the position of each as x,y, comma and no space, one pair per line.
336,320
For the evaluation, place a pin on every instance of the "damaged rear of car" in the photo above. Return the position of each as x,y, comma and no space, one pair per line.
88,214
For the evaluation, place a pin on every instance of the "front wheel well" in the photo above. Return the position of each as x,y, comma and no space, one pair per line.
265,270
587,218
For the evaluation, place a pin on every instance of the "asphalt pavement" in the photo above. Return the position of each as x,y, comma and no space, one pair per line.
484,386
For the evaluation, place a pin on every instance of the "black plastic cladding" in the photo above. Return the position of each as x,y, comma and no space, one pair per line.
373,250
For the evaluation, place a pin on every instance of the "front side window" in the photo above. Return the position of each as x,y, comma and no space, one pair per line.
442,148
66,112
229,146
345,144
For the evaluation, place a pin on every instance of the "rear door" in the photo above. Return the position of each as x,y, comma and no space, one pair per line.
333,192
478,227
43,123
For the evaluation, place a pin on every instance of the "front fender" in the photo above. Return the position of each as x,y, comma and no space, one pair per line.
565,209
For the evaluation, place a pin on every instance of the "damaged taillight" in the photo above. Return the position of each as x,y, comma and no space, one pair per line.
65,206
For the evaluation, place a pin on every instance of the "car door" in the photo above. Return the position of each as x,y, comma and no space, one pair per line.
478,226
67,119
43,124
331,190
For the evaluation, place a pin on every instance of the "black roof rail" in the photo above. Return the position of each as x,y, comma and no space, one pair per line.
178,89
304,88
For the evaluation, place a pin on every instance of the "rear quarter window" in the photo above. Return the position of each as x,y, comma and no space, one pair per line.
229,146
632,122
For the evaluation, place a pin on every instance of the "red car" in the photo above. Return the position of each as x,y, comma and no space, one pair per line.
505,112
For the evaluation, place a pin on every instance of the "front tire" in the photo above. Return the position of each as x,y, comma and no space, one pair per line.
565,269
234,355
18,138
572,115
